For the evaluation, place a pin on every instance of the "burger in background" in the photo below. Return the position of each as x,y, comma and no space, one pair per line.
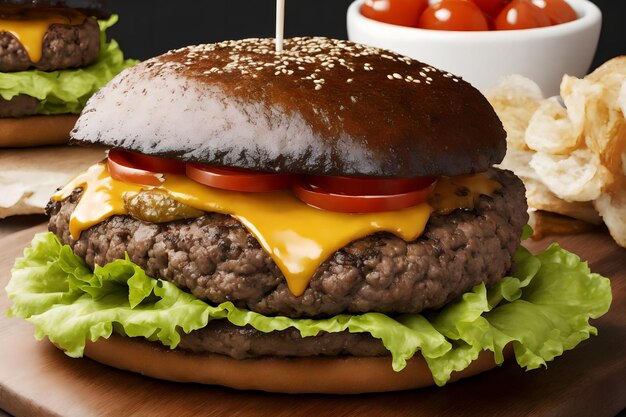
53,56
324,219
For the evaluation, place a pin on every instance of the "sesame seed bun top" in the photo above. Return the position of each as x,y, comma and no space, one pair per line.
322,106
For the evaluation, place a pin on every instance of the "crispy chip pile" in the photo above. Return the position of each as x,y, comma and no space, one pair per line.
570,150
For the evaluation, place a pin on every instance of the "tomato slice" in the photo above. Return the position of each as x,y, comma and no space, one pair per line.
156,164
347,203
395,12
521,14
122,168
368,185
459,15
237,179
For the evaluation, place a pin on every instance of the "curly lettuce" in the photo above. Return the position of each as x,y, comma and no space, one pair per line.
543,309
67,91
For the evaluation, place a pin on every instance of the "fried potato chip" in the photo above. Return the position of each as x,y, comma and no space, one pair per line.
611,74
612,208
622,98
515,99
537,193
576,177
594,106
605,132
576,93
622,104
517,160
541,198
551,131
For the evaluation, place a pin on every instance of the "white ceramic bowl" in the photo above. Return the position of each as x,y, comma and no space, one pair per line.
543,54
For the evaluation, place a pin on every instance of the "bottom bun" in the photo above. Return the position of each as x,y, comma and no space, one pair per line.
321,375
36,130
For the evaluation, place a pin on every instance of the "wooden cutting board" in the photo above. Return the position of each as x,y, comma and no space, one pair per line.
38,380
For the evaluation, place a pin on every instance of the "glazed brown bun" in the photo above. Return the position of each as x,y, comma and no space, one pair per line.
322,107
95,8
36,130
319,375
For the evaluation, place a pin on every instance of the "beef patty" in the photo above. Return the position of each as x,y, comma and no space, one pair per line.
64,46
220,336
19,106
215,258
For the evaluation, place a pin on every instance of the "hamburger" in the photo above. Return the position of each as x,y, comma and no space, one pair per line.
323,219
53,57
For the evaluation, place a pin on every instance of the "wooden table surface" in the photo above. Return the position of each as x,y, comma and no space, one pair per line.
38,380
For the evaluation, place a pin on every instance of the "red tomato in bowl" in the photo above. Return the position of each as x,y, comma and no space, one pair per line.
521,14
490,7
558,11
453,15
395,12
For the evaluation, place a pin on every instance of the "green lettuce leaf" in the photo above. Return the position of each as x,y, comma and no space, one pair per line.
543,310
67,91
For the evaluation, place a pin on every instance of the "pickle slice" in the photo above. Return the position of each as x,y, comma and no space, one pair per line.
157,207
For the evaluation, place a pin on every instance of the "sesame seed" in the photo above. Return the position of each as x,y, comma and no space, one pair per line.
315,56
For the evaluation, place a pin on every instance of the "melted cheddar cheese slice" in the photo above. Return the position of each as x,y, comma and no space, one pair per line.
30,27
298,237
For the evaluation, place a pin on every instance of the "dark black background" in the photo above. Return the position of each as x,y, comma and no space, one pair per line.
150,27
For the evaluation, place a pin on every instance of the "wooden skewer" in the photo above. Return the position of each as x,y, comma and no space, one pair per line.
280,24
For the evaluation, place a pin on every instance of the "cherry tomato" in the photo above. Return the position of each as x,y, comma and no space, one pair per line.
521,14
122,168
349,203
236,179
453,15
395,12
558,11
368,185
490,7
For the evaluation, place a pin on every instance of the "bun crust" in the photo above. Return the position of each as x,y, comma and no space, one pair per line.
36,130
322,107
322,375
96,8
